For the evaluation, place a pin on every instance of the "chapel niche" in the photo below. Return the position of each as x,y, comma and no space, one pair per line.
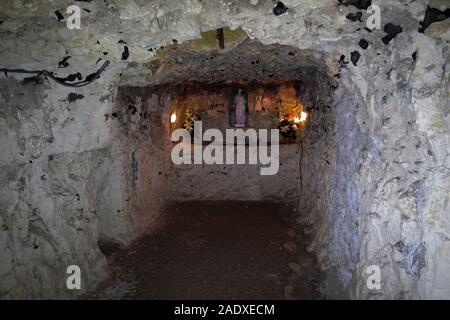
258,105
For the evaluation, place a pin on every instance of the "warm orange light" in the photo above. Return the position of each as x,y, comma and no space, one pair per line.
173,118
302,118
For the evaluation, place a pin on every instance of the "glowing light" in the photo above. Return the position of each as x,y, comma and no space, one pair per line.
173,118
303,116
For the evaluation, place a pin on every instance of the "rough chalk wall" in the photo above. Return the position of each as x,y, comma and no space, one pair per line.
141,149
237,182
348,147
48,211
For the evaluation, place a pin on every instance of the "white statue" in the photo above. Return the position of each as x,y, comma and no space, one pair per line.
239,107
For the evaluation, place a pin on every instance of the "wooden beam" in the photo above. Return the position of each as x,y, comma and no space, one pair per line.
221,39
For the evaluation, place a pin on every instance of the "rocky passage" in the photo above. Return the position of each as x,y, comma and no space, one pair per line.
216,250
74,178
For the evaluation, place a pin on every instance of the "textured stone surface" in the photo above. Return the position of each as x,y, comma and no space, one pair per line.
388,200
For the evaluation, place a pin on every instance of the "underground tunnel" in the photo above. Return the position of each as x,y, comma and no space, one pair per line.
224,150
199,88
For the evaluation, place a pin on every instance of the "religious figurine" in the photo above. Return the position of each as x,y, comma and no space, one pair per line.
240,110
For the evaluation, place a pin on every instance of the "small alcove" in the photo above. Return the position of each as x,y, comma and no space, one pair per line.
216,105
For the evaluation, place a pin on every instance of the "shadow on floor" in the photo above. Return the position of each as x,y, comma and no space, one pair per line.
216,250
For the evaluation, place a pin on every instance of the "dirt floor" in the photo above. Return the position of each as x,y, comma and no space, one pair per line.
216,250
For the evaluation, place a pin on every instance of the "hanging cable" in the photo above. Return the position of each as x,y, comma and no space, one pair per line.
89,79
